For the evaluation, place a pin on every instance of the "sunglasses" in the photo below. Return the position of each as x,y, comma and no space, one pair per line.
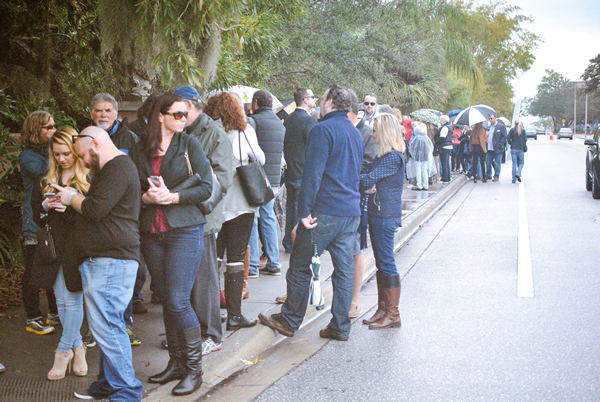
370,103
178,115
50,127
312,97
74,137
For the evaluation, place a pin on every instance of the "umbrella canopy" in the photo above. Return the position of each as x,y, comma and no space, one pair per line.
504,120
453,113
246,94
474,114
426,116
435,112
316,295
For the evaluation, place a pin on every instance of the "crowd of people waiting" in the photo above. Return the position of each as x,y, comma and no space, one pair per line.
118,199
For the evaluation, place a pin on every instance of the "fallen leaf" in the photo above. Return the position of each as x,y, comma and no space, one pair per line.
17,371
147,364
246,362
29,353
220,376
299,340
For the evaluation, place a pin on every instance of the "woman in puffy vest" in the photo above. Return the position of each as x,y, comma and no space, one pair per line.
384,180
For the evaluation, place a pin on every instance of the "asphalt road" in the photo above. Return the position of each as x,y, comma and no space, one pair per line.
466,334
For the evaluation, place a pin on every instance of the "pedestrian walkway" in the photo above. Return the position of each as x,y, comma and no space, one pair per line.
28,357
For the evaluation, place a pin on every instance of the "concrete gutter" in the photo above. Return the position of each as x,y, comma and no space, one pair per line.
254,341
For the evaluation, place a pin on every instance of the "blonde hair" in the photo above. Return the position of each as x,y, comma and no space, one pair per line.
31,133
389,134
519,126
64,136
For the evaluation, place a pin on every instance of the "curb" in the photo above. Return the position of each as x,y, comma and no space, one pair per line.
251,342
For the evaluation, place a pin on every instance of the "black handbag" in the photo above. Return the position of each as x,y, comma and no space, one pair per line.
45,252
255,184
216,194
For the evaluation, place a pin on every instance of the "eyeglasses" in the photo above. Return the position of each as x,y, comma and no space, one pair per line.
370,103
50,127
74,137
178,115
312,97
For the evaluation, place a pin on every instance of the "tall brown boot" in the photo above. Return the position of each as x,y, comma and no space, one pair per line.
381,307
245,289
391,294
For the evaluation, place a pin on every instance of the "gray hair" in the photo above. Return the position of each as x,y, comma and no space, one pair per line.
340,97
353,101
104,97
444,118
385,109
421,129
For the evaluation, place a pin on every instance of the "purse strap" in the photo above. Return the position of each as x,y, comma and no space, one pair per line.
240,145
187,156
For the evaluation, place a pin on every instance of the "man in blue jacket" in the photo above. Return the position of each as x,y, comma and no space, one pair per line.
329,212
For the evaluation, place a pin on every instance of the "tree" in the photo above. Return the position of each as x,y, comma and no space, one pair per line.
591,75
552,99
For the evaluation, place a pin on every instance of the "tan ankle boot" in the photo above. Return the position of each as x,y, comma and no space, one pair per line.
245,289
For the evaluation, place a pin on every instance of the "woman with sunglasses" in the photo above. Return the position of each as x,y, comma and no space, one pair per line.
171,231
65,169
384,180
238,215
37,131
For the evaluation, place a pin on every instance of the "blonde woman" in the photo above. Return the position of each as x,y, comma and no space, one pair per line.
65,169
384,180
517,138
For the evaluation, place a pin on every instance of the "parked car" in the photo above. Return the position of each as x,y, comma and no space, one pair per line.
540,130
531,132
564,133
592,166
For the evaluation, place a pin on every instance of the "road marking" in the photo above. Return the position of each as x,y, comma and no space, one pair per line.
524,271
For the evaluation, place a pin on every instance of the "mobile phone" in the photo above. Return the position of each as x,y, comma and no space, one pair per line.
50,196
155,180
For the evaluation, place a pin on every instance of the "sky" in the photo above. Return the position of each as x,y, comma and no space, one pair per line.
571,34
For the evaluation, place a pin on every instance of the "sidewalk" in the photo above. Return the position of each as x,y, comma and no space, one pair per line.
29,357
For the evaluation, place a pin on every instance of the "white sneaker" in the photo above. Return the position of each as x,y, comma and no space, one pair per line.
208,345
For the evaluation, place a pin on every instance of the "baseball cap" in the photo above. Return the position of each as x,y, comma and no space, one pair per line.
187,92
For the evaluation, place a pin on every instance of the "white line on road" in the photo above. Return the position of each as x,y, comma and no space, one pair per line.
525,274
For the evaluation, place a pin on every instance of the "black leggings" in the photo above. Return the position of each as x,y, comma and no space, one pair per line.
478,155
234,236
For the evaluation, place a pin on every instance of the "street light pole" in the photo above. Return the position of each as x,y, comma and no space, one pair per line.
585,127
575,108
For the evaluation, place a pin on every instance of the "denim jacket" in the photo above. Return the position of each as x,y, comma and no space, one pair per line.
34,162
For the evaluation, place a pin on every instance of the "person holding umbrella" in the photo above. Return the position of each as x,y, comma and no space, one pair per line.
478,143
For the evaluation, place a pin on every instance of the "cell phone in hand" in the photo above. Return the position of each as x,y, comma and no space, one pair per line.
50,196
155,180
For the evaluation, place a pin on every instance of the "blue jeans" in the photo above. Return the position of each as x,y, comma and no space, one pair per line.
270,232
445,164
338,235
291,211
107,288
70,311
422,169
518,160
495,160
382,231
173,259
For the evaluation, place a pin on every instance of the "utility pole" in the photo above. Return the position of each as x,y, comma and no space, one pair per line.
585,126
574,108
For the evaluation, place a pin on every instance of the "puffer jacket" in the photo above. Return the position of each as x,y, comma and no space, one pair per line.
270,132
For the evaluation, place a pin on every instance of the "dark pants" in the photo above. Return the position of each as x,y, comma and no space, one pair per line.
140,279
31,294
382,231
478,156
455,158
205,293
173,259
234,237
291,211
445,164
338,235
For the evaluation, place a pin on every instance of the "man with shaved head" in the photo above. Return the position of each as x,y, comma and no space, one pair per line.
108,246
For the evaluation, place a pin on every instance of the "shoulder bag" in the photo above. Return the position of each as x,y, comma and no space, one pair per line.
45,252
216,194
255,184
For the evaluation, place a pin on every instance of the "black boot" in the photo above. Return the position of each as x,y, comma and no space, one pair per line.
234,283
176,367
192,379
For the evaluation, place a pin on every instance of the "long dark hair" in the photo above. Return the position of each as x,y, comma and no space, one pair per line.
152,137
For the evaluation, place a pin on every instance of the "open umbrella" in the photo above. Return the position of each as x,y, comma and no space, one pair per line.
246,94
435,112
426,116
504,120
474,114
453,113
316,295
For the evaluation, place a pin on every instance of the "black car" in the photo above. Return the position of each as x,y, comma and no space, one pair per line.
592,166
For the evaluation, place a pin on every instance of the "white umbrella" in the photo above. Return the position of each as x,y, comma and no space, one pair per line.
316,295
246,94
474,114
505,121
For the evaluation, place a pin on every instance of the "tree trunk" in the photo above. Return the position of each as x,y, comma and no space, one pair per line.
208,57
65,103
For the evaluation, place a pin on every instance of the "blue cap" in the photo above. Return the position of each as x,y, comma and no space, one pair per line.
187,92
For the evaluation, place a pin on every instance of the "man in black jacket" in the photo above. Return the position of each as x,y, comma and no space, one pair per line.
496,145
444,141
270,133
297,126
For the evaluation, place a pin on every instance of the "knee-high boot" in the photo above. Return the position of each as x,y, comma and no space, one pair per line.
234,281
245,288
381,301
192,379
176,367
391,294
